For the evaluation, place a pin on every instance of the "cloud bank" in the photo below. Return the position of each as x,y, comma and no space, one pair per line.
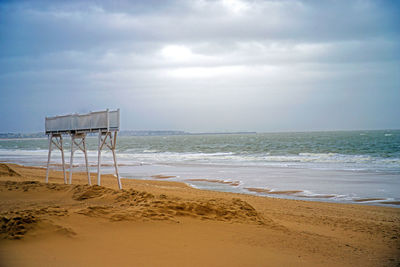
229,65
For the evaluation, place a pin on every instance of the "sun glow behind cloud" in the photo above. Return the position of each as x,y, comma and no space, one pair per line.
177,53
206,72
236,6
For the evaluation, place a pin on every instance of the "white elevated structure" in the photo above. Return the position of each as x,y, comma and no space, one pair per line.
105,123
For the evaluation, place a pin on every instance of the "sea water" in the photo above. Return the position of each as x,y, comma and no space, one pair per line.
342,166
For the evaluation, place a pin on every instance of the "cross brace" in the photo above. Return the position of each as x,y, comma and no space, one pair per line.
57,141
108,139
81,145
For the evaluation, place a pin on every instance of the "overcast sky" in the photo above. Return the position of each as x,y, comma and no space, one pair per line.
229,65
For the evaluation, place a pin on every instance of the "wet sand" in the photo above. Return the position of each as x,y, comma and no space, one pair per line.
232,183
164,223
267,191
160,176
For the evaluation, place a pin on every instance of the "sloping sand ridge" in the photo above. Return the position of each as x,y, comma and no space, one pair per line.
159,223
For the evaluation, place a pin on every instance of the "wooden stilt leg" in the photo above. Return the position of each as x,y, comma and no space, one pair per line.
86,159
115,160
48,158
63,160
71,159
99,159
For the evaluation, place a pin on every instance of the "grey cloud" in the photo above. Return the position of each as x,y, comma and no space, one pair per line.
204,65
289,21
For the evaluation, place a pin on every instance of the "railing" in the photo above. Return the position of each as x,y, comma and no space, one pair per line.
91,122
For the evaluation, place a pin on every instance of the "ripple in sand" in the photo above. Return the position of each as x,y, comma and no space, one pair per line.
160,176
7,170
317,196
258,190
268,191
368,199
232,183
286,192
390,202
378,200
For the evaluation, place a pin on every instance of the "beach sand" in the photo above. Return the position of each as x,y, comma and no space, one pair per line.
163,223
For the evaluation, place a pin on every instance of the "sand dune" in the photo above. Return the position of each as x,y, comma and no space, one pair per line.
6,170
117,205
159,223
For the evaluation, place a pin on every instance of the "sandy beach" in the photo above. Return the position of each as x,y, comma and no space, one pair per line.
163,223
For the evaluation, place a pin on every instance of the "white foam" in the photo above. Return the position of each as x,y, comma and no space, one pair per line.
302,160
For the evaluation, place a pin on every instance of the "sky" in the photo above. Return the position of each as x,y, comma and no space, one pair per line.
202,65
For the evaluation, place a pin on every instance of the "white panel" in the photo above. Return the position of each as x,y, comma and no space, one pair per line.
114,119
99,120
74,122
61,123
94,121
83,122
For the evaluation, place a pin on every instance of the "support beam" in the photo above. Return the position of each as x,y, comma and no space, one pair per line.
71,161
55,139
107,139
86,160
62,159
113,145
81,145
48,158
99,159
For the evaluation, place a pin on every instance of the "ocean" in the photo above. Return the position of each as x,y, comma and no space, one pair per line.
340,166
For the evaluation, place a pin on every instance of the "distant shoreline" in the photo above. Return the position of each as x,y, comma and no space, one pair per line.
13,136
